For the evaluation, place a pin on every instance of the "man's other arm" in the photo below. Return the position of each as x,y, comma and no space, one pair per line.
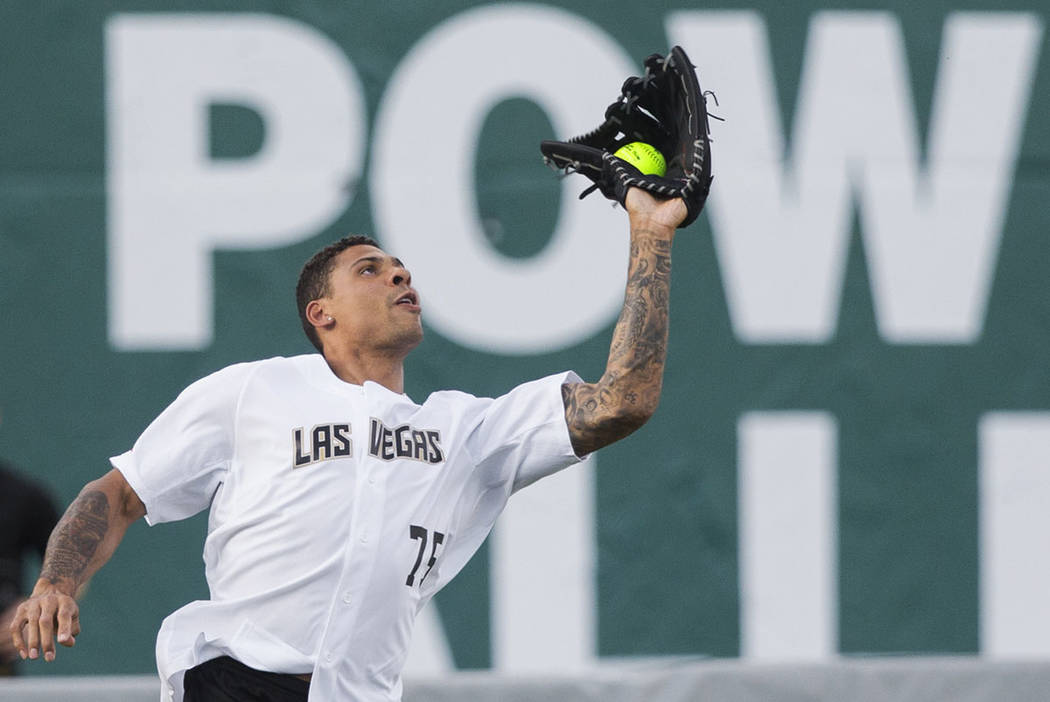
81,543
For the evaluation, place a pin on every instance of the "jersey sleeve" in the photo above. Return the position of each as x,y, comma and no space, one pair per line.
523,436
182,457
514,440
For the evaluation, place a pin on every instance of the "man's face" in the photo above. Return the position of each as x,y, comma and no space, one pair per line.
372,301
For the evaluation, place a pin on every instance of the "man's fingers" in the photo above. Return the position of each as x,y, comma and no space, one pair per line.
68,622
34,623
32,615
47,629
17,623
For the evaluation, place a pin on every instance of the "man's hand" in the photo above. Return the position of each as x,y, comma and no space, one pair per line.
36,621
648,211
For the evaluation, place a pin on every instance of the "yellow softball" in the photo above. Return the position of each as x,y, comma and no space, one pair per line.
644,157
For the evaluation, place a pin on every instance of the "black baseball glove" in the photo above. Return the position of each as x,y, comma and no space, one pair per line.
665,108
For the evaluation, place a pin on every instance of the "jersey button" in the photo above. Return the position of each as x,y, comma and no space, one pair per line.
347,597
328,657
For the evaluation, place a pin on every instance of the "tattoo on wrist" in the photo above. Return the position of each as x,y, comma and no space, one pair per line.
76,538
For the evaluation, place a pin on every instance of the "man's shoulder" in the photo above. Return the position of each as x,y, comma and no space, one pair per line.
272,364
534,385
279,361
453,397
236,376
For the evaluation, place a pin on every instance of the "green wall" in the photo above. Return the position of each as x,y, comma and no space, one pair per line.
907,413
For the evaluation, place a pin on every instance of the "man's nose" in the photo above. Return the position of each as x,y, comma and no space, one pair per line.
401,275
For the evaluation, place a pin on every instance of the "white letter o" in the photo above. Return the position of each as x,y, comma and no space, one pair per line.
424,203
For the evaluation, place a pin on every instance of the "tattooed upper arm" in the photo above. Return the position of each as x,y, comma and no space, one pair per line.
132,507
594,420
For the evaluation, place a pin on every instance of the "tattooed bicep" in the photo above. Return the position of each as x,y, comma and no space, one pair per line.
591,417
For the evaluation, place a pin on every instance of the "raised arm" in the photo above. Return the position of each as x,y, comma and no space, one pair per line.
82,542
628,392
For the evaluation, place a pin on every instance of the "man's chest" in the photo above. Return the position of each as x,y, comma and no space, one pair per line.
354,475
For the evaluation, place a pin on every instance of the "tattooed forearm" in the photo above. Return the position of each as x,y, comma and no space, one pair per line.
76,538
628,392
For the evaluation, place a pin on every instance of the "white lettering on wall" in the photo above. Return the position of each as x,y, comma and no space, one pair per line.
788,516
1014,519
169,205
931,231
422,181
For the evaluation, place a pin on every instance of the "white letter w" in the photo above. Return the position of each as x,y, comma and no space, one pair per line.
931,231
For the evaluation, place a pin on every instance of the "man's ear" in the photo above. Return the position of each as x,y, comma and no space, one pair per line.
316,315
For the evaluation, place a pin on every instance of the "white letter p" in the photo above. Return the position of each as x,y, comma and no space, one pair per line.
169,204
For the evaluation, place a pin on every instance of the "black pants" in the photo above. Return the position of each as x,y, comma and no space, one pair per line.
227,680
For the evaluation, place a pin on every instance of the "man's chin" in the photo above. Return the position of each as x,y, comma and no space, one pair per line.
411,338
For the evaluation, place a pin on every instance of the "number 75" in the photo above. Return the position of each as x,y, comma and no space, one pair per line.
422,534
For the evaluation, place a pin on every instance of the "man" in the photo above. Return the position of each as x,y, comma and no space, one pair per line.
338,506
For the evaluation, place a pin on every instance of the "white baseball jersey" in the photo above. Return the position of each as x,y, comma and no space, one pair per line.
337,511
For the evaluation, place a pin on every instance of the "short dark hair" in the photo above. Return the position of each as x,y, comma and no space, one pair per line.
313,279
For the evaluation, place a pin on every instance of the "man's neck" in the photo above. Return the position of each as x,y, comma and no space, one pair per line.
356,368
